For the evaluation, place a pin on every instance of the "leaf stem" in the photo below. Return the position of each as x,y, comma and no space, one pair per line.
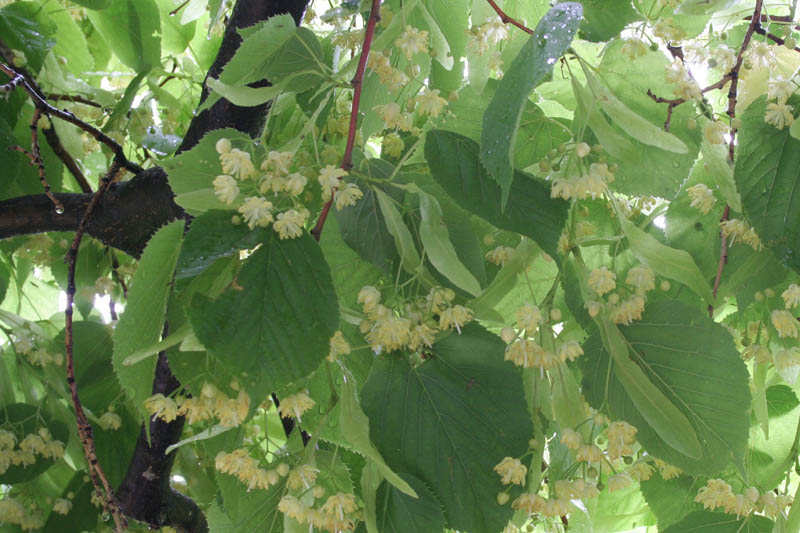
508,20
357,82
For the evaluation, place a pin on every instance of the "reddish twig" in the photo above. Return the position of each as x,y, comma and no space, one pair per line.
96,473
37,159
508,20
41,103
732,97
761,31
357,83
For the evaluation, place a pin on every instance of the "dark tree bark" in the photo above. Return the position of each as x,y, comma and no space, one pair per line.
127,217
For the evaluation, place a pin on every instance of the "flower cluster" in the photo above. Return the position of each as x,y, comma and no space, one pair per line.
295,405
13,512
336,514
385,330
559,503
735,228
719,494
25,344
282,181
778,112
240,464
24,452
392,78
621,437
500,255
666,470
211,403
592,184
685,86
626,304
524,351
490,33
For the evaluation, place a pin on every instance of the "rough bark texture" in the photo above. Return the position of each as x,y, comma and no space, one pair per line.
125,219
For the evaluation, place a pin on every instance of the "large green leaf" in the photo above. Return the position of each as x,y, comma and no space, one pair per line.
671,499
274,325
534,62
450,421
711,522
26,29
143,320
399,513
212,236
132,29
694,362
767,175
456,166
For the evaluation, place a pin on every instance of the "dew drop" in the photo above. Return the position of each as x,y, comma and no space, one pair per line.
60,209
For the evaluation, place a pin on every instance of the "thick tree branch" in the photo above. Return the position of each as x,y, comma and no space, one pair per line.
125,219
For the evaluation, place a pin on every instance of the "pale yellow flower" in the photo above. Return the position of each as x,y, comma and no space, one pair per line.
621,436
392,145
339,504
302,477
784,322
223,146
715,132
289,224
530,503
715,494
571,439
237,163
499,255
779,115
528,318
791,296
369,297
256,211
633,48
329,179
702,198
226,188
295,183
601,280
618,481
413,41
347,195
295,405
429,102
62,506
511,471
110,421
589,453
163,407
640,471
455,317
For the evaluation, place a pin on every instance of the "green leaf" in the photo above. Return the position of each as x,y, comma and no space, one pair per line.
255,510
143,320
211,236
604,19
409,256
694,362
668,262
450,420
671,499
274,326
92,347
534,62
715,160
629,121
355,425
399,513
669,423
703,7
440,251
242,95
23,419
711,522
455,165
794,130
767,174
23,28
176,34
94,4
132,29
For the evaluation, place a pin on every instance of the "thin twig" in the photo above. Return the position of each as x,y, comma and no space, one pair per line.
508,20
357,83
74,99
41,103
96,473
761,31
37,159
177,9
732,97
